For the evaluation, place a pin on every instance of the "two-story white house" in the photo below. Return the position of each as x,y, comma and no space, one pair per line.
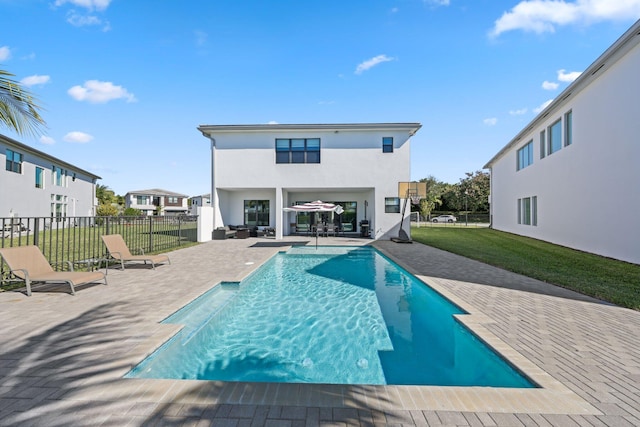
257,170
571,176
35,184
157,202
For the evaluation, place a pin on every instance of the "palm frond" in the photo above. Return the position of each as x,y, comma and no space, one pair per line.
19,109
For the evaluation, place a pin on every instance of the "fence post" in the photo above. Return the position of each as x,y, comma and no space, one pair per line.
151,234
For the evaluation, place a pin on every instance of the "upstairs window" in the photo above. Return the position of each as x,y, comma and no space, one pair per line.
143,200
39,177
172,200
555,137
14,161
387,144
543,143
568,132
298,150
525,156
57,175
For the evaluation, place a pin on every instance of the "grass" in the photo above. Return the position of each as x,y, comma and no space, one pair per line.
610,280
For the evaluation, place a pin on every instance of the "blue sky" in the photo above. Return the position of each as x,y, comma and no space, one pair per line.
125,83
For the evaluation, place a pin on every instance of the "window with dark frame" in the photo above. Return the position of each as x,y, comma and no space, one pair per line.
14,161
297,150
256,212
387,144
392,205
525,156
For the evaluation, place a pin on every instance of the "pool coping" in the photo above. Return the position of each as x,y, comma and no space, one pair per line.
551,397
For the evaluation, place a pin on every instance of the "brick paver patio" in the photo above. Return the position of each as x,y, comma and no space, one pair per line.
63,357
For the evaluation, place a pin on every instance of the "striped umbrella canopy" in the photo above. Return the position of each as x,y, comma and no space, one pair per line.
317,206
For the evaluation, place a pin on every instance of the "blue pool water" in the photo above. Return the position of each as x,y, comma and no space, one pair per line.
334,315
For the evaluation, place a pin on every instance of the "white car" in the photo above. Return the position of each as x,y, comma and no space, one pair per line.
444,218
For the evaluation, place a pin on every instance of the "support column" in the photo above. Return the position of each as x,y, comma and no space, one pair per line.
279,213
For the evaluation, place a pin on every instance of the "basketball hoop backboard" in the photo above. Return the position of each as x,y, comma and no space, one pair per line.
412,190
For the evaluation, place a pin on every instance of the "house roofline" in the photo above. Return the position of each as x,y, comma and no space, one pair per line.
46,156
278,127
613,54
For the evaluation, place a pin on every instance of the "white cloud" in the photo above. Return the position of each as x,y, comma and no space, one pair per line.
568,77
97,92
546,85
35,80
78,20
543,106
47,140
438,2
518,112
5,53
272,122
541,16
370,63
490,121
87,4
78,137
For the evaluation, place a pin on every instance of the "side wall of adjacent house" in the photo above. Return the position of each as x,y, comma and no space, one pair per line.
585,195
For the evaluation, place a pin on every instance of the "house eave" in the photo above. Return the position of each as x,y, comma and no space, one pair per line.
616,51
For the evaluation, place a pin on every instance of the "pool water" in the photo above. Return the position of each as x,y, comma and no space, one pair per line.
333,315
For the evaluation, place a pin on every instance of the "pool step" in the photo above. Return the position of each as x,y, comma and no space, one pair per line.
199,312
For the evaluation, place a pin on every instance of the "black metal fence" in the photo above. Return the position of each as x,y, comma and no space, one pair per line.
79,238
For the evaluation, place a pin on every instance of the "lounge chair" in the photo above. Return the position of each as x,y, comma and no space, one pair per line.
118,250
29,264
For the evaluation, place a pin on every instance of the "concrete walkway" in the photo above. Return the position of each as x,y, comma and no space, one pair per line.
63,357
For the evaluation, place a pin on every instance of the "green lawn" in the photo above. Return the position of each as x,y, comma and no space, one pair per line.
610,280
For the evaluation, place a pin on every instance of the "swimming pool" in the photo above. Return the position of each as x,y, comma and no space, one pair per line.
331,315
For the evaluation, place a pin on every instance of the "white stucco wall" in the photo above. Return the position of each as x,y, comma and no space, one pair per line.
19,196
588,193
352,168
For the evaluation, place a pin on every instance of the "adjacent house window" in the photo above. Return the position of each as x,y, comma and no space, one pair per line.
555,137
58,206
528,211
143,200
172,200
256,212
39,177
568,132
14,161
387,144
543,143
525,155
392,205
58,176
298,150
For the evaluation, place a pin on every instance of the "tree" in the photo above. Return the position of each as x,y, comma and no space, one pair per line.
18,107
474,191
132,212
107,210
105,195
433,198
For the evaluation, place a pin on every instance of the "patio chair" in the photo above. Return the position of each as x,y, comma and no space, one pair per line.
330,228
118,250
29,264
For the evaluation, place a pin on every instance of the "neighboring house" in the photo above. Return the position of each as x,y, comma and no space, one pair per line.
157,202
571,177
35,184
199,201
257,170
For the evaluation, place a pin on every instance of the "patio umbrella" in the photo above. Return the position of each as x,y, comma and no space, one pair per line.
317,206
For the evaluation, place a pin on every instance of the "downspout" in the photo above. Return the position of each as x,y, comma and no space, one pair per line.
214,194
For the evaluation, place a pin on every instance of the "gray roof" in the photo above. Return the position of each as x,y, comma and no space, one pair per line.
157,192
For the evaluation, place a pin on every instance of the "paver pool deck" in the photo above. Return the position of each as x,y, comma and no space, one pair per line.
63,357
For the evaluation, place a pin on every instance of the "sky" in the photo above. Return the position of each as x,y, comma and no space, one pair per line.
124,84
